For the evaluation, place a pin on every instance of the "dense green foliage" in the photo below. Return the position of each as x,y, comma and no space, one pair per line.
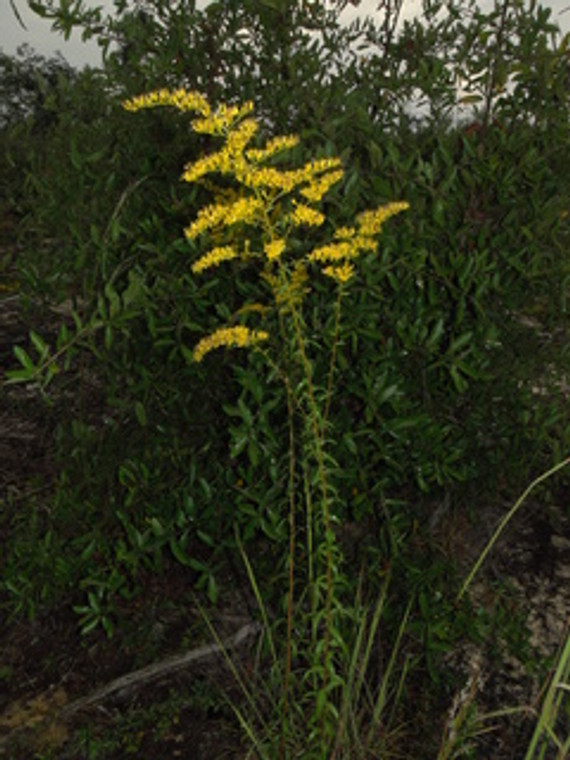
445,334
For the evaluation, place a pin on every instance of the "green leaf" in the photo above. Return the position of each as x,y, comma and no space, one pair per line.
238,445
39,344
23,357
187,353
75,155
114,300
458,380
157,527
436,334
205,538
108,337
178,553
108,626
246,414
135,289
212,590
89,625
18,376
253,453
460,342
468,100
206,488
140,412
348,441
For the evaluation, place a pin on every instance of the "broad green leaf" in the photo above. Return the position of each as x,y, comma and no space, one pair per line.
140,412
24,358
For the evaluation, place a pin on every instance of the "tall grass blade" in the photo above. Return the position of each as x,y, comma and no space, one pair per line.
258,598
550,708
505,520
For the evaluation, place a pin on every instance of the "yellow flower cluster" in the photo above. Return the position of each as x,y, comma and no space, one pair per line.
216,162
286,181
272,147
344,249
341,273
274,249
258,201
370,222
213,258
320,187
345,233
243,210
241,136
303,214
229,160
222,120
350,242
267,177
181,99
217,123
233,337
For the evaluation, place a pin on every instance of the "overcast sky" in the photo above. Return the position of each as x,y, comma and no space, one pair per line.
40,37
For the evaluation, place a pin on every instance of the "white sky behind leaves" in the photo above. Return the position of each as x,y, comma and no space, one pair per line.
40,37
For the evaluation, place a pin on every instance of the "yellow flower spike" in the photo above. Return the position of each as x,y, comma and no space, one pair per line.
320,187
232,337
341,273
222,214
214,257
274,146
222,120
345,233
243,210
303,214
182,99
239,137
269,178
314,168
334,252
286,181
370,222
212,163
207,218
361,243
274,249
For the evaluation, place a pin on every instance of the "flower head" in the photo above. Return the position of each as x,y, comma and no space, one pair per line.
343,249
370,222
184,100
233,337
320,186
341,273
303,214
224,215
215,162
214,257
274,249
272,147
223,120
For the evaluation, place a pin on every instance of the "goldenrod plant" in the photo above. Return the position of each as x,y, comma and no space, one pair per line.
261,214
